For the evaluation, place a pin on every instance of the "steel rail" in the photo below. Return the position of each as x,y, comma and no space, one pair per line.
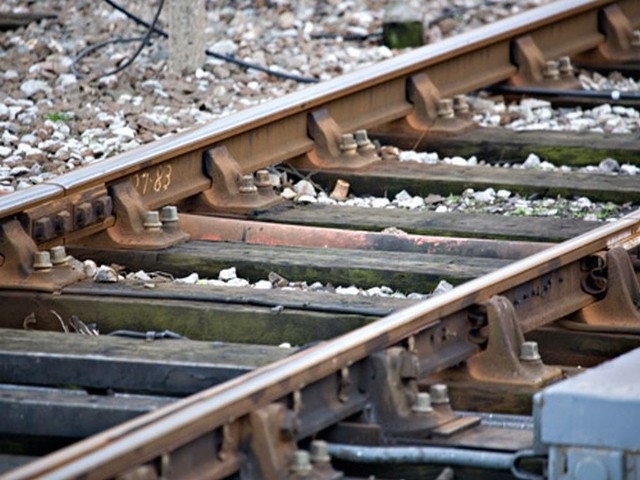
278,131
144,438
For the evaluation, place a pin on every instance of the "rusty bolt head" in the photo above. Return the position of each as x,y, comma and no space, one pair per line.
445,108
363,142
460,105
348,144
300,463
423,403
59,256
247,185
320,452
529,352
439,394
262,179
550,70
42,261
152,220
169,214
564,66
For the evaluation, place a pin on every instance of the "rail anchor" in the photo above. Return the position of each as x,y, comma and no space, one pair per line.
618,308
335,148
23,267
621,45
231,192
397,405
273,452
536,71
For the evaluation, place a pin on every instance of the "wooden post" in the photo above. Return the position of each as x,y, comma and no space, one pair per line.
186,35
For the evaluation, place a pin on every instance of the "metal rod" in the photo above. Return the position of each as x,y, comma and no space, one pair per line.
423,455
614,95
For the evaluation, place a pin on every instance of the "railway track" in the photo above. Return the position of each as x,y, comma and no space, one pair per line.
451,377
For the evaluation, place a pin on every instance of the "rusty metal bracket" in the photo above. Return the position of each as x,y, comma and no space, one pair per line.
506,359
433,113
231,191
621,44
22,266
335,148
76,214
397,405
619,306
536,71
135,226
272,450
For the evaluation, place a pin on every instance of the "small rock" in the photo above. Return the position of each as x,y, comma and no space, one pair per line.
442,287
227,274
90,268
31,87
189,279
105,274
238,282
351,290
288,194
263,285
532,161
609,165
304,187
277,280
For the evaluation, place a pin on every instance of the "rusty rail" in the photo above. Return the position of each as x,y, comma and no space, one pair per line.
319,370
199,169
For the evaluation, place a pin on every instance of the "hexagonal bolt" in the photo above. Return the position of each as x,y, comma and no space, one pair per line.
263,180
445,108
635,40
439,393
59,256
565,67
246,185
460,105
363,142
300,463
320,452
423,403
42,261
152,221
550,70
529,352
348,144
169,214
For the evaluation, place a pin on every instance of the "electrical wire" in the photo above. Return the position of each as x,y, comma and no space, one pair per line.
153,28
144,41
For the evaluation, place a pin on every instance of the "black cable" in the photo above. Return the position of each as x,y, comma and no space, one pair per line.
227,58
144,42
614,95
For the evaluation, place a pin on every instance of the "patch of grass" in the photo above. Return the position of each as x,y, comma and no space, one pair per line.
59,117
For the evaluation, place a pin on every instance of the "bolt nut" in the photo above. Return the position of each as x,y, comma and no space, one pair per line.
262,179
152,220
423,403
300,463
550,70
42,261
320,452
363,142
529,352
59,256
246,185
439,394
565,67
445,108
460,105
169,214
348,144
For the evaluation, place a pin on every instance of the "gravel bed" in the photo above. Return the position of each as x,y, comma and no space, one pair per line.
52,121
228,277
